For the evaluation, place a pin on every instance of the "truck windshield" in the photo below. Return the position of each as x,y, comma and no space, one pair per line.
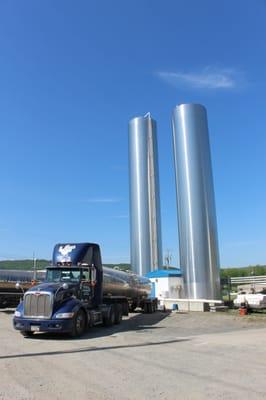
62,275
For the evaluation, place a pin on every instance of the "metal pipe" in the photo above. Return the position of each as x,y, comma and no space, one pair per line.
198,240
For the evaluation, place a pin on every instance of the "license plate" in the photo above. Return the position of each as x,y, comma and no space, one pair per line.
35,328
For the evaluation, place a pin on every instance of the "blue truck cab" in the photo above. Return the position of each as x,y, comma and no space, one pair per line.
71,297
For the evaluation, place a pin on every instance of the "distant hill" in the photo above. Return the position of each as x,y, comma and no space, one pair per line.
121,267
244,271
42,264
23,264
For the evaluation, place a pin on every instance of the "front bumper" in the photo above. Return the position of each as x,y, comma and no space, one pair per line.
40,325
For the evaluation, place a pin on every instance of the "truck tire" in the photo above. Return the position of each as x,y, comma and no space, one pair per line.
79,324
118,313
132,307
27,333
125,309
148,308
109,320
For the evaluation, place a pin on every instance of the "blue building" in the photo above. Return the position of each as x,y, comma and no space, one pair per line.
168,283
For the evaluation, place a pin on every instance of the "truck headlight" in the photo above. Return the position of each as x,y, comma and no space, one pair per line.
64,315
17,314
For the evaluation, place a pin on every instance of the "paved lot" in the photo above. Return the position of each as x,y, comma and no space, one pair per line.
159,356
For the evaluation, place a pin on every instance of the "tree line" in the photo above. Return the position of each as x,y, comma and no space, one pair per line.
255,270
224,272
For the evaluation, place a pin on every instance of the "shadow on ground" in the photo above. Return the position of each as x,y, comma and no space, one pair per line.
91,349
7,310
138,323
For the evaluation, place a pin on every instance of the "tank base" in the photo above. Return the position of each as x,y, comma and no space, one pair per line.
187,305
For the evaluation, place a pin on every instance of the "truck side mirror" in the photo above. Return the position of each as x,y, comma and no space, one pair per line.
92,276
18,286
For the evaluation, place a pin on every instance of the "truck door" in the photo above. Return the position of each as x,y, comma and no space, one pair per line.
86,292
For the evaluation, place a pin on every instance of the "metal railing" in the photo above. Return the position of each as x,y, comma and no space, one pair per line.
261,279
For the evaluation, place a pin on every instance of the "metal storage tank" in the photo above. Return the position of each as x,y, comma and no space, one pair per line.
198,241
145,216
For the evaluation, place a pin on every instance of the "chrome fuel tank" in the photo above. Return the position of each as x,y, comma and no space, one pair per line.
119,283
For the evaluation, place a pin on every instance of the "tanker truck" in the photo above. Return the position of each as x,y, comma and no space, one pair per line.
78,293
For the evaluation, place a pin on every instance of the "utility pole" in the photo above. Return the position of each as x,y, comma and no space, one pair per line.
34,267
168,259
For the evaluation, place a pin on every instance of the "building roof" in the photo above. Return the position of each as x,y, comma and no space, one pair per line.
164,273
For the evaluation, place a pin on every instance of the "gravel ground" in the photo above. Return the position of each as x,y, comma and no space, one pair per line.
159,356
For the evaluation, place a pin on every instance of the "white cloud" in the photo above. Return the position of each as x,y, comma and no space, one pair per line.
208,78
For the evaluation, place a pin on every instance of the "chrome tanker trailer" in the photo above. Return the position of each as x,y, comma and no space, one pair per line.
9,295
79,292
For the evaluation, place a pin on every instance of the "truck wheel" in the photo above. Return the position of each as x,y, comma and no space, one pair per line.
132,307
110,319
148,308
27,333
118,314
79,324
125,309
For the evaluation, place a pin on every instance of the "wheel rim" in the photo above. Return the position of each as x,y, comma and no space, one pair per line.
80,322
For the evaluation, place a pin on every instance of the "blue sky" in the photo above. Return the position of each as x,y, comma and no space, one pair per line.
74,72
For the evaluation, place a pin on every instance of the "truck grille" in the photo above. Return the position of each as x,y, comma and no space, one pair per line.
38,304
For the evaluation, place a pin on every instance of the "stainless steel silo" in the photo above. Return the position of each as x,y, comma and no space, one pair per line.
198,240
145,220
